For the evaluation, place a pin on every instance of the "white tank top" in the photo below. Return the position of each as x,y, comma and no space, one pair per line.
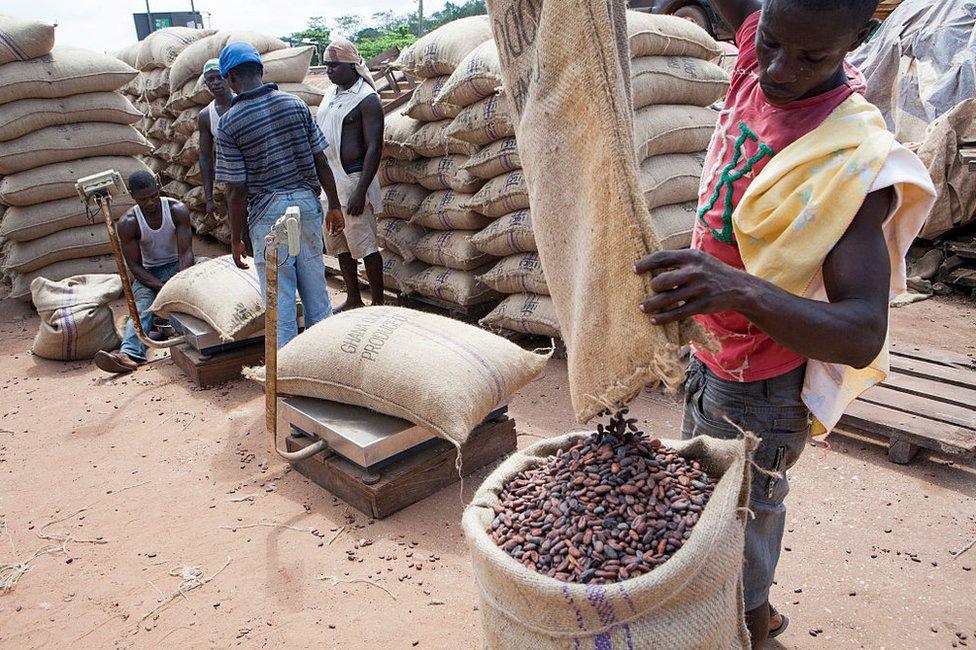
214,118
158,247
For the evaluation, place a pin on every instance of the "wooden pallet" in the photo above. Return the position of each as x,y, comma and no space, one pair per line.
532,341
381,492
927,402
469,314
206,371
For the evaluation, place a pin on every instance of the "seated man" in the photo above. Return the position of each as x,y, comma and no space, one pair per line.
157,242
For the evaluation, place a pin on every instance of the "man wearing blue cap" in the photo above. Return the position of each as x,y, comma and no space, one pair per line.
271,155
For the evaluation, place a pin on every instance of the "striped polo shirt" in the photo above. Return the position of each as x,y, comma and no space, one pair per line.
266,141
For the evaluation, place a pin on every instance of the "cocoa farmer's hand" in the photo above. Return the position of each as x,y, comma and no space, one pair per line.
357,203
334,221
690,282
237,250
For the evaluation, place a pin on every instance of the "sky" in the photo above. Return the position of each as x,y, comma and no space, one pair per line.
107,26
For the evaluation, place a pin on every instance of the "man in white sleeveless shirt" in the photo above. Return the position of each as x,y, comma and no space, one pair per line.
351,118
207,126
157,241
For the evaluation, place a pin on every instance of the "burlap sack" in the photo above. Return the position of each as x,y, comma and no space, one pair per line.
436,372
398,131
432,140
590,222
448,210
402,200
519,273
19,118
311,95
442,50
483,122
159,128
664,35
476,77
396,272
189,63
673,224
20,282
670,128
671,178
694,600
194,198
130,54
157,165
287,66
64,72
54,144
450,248
76,321
157,109
235,312
178,138
494,160
527,313
181,99
57,181
398,236
35,221
456,287
395,171
24,39
72,243
507,235
192,175
176,189
168,151
676,80
445,172
155,85
174,172
501,195
421,105
955,205
161,47
190,153
186,121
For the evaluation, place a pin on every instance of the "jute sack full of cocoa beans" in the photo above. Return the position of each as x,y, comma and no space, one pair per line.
693,600
588,213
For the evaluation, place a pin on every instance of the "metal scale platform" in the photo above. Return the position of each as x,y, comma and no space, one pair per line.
378,463
205,358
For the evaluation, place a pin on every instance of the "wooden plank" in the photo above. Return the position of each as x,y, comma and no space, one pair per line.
902,452
466,313
923,406
917,430
941,357
930,370
410,479
206,371
931,389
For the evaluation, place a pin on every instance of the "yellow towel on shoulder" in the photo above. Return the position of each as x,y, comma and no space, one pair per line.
798,208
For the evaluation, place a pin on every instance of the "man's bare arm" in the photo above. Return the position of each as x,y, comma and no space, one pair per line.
850,329
327,180
372,115
206,156
236,213
128,231
734,12
184,234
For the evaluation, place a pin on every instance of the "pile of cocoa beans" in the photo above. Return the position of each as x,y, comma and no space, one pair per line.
611,507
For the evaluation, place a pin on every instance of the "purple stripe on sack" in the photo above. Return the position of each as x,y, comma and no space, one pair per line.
8,42
579,614
602,642
598,601
71,332
627,599
630,639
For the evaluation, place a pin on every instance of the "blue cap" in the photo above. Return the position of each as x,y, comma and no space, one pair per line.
235,54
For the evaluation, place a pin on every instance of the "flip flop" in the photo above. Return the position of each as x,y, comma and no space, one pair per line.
108,362
782,626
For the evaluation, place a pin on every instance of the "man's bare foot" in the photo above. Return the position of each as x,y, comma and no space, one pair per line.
777,622
348,305
115,362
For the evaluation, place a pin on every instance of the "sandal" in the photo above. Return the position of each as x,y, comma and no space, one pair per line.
784,623
114,362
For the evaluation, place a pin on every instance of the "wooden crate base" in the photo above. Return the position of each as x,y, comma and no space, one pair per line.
207,371
404,481
469,314
927,402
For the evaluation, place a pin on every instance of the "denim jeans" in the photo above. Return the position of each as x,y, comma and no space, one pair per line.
144,296
305,273
773,410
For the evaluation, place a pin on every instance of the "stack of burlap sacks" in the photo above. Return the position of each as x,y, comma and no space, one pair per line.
61,118
432,203
171,93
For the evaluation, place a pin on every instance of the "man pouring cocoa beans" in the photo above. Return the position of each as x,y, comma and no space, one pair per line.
807,206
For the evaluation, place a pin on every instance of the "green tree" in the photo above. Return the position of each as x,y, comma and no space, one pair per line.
349,25
400,37
315,33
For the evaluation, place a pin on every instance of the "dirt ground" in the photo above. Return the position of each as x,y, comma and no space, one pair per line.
128,483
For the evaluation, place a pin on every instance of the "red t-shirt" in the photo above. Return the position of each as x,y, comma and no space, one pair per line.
750,131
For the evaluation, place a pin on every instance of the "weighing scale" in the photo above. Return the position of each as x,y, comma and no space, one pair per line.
377,463
205,358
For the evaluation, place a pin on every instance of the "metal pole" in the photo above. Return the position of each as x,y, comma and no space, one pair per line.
104,203
271,349
420,14
193,11
152,26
